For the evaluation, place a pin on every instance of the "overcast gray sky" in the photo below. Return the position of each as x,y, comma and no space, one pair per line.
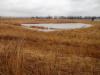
49,7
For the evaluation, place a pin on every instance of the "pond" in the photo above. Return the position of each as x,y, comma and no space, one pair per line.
53,27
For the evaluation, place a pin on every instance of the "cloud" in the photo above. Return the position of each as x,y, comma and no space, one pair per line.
49,7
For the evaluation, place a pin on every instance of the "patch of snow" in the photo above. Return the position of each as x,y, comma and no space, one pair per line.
53,27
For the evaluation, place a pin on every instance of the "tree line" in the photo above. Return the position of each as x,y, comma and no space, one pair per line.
56,17
67,17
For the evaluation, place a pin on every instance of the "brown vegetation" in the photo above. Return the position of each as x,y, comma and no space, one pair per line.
39,27
66,52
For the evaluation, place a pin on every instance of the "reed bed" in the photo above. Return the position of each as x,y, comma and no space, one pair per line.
66,52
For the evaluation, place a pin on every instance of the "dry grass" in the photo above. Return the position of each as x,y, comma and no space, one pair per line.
67,52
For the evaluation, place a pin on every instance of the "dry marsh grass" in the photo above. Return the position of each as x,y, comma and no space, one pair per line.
67,52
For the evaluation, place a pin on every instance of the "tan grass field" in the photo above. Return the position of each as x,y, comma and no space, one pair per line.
66,52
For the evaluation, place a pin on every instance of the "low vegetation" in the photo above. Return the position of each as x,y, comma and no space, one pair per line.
66,52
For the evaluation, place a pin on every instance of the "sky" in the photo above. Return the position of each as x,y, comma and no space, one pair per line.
28,8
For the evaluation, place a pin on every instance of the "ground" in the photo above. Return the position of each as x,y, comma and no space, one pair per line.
66,52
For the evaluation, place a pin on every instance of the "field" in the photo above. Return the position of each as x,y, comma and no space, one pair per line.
66,52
